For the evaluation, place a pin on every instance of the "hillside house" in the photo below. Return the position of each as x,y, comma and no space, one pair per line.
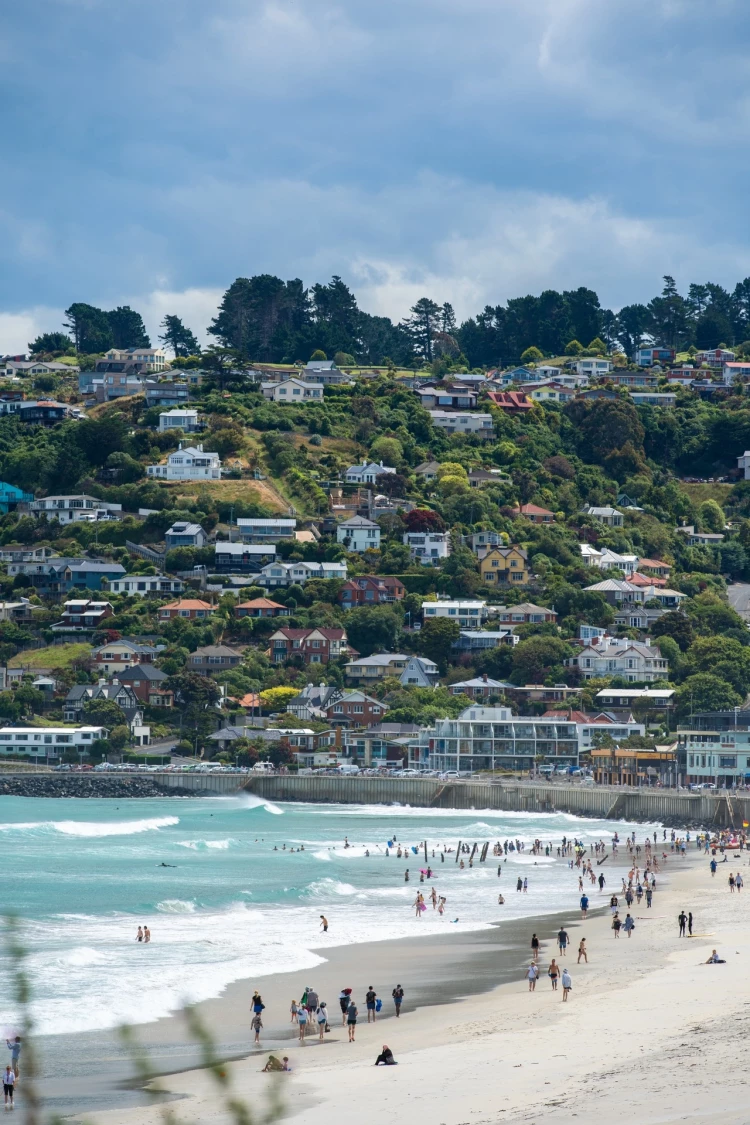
313,646
189,462
368,589
429,547
358,534
183,534
260,607
192,609
366,473
505,566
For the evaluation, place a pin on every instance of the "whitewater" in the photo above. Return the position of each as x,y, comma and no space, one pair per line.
226,898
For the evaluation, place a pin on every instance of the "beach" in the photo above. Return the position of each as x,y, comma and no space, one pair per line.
649,1030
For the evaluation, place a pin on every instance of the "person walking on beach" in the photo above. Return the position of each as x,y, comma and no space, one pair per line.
567,984
302,1021
14,1047
616,925
324,923
535,947
344,1002
712,865
738,882
9,1083
321,1015
532,974
351,1020
398,998
731,882
584,905
682,919
294,1009
562,941
553,972
649,896
690,923
256,1024
582,951
371,997
628,925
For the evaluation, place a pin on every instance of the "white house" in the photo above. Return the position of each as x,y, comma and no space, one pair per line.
609,516
141,585
178,419
547,371
743,463
297,573
637,661
593,368
463,422
154,359
292,390
266,530
73,509
48,742
466,613
189,462
366,473
608,559
428,546
359,534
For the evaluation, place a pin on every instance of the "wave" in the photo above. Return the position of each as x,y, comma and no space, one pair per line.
82,956
176,906
199,845
324,887
93,828
250,801
325,856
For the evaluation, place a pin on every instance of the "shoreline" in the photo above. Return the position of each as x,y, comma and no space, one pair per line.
640,1008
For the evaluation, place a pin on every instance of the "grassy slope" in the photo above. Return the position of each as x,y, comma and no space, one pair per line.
54,656
700,492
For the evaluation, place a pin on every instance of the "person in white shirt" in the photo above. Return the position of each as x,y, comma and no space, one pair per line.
567,983
321,1015
9,1082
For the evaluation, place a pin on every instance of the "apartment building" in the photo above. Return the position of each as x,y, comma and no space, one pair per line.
488,738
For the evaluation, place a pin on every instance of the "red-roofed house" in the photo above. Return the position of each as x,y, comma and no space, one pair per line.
191,608
637,579
260,607
656,567
513,402
534,513
368,589
315,646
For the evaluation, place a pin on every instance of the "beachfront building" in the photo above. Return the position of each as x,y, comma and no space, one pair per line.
619,766
488,738
42,744
714,757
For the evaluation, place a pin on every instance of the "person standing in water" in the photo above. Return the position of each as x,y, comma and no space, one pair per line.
9,1083
139,935
146,935
324,923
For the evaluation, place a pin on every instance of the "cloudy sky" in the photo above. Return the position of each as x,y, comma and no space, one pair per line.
468,150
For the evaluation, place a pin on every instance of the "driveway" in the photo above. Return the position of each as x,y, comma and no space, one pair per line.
739,598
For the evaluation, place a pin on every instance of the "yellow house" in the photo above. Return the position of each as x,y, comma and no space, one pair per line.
505,566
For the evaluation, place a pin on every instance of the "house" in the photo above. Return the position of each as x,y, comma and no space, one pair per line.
548,372
213,658
72,509
80,694
638,579
477,425
478,478
27,367
505,565
369,669
549,392
593,393
183,534
636,661
656,567
147,360
19,611
260,607
457,397
628,503
117,655
313,646
714,357
428,470
663,698
368,589
366,473
647,357
193,609
743,463
512,402
292,390
61,575
593,367
518,375
612,560
466,613
534,513
491,738
354,709
358,534
481,541
429,547
380,744
82,615
85,574
592,727
166,394
654,398
700,538
11,497
681,376
110,387
669,599
46,412
633,379
631,616
22,552
325,372
288,574
526,613
313,700
143,585
148,684
618,591
189,462
479,640
420,672
266,530
732,371
481,687
242,558
45,743
180,418
608,516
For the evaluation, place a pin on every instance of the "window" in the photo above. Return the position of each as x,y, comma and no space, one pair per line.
728,761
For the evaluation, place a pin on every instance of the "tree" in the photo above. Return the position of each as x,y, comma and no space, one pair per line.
605,425
632,325
119,737
669,315
436,638
197,698
533,659
389,450
179,339
598,346
573,347
228,366
722,656
447,319
30,699
50,342
344,359
318,354
127,327
675,625
276,698
424,321
585,606
90,328
103,713
423,519
712,329
532,355
372,629
705,692
711,516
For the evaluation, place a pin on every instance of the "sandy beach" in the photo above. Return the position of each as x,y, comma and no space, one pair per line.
649,1029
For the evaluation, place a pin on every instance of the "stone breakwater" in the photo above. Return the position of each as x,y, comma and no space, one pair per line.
86,785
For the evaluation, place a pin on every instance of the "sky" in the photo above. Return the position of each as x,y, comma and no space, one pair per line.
465,150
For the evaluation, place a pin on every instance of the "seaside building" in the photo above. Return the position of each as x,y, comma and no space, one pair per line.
489,738
43,744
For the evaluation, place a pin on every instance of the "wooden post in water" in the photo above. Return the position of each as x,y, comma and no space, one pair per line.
458,852
425,851
483,856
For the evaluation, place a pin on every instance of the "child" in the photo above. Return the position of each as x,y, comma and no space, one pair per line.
256,1024
294,1009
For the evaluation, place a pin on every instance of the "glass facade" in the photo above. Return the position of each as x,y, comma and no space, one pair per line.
487,738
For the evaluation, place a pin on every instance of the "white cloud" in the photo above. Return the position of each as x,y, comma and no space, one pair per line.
17,329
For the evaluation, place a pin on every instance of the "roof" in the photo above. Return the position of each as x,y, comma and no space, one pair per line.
300,634
86,564
379,660
269,523
534,510
353,696
525,607
482,681
223,548
260,603
358,521
142,672
591,511
182,528
612,584
641,693
215,650
505,551
455,604
580,717
655,563
428,467
188,603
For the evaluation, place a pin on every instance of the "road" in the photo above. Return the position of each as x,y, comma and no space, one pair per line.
739,598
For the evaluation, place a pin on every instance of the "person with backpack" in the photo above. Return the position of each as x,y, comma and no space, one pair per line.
398,998
371,997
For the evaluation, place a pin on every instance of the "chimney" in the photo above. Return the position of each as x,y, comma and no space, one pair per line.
484,677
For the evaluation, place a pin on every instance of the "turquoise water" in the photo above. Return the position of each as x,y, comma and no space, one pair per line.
86,873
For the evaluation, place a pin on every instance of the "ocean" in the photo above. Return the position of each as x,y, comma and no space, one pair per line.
234,903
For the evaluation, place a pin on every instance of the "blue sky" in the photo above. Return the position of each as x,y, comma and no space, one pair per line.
471,151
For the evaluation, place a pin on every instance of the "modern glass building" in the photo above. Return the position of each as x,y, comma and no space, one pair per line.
487,738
